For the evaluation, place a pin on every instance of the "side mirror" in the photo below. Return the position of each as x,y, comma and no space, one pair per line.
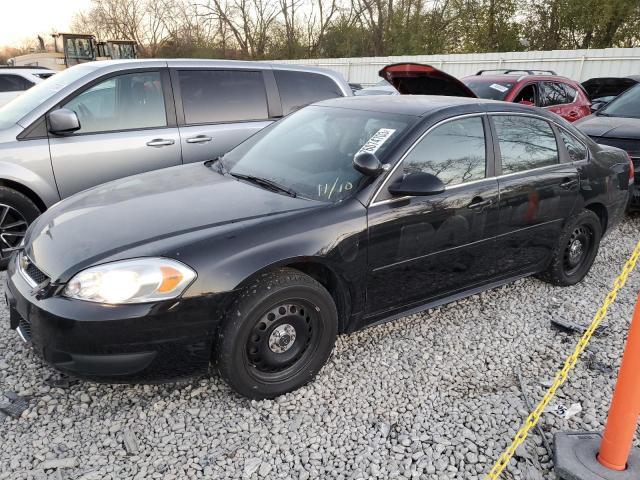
63,121
417,184
368,164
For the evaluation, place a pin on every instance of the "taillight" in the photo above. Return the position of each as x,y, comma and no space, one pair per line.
631,172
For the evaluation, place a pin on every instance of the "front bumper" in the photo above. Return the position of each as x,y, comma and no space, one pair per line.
151,342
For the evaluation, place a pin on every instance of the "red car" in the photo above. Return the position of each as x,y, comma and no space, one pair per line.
533,87
552,92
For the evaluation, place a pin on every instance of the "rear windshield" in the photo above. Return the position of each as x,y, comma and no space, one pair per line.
490,89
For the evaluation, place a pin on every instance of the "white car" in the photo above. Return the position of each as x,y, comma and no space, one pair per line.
15,80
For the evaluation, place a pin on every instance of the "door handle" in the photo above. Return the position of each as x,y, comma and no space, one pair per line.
199,139
160,142
479,204
569,184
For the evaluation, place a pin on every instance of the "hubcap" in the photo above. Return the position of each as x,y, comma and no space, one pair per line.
282,338
12,229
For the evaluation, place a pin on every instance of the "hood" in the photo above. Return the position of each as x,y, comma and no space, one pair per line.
418,79
607,86
147,214
612,127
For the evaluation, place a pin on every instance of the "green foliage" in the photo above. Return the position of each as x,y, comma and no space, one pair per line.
260,29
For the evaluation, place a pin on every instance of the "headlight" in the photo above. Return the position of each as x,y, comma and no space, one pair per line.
131,281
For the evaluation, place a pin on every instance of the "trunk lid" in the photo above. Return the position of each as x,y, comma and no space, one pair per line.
419,79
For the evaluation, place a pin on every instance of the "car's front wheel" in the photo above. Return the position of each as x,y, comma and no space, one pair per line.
278,334
17,211
576,250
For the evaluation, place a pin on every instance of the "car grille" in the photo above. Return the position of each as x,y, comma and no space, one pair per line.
32,273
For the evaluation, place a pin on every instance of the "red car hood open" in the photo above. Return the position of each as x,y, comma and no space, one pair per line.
419,79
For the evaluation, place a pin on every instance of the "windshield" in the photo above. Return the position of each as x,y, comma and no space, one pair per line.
311,151
12,112
492,90
625,105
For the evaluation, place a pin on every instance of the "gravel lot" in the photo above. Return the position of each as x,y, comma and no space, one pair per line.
435,395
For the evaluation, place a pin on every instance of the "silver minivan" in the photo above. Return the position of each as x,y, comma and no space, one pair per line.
100,121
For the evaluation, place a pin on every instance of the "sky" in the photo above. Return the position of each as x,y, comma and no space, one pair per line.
24,19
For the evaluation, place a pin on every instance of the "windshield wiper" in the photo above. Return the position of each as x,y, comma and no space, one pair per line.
266,183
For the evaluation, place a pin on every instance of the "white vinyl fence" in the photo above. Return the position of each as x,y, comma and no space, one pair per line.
576,64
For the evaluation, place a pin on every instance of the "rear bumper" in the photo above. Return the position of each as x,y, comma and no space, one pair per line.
115,343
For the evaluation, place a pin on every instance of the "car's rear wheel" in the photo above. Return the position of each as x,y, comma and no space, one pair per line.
17,212
576,250
278,334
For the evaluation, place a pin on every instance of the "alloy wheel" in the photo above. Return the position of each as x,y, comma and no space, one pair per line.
13,227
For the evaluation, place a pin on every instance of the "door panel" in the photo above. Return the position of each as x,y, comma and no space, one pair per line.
422,248
219,109
82,161
124,130
537,192
206,142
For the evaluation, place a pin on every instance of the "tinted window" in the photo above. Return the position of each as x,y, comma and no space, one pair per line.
571,92
527,94
12,83
311,151
124,102
553,93
577,151
454,151
298,89
222,96
494,90
525,143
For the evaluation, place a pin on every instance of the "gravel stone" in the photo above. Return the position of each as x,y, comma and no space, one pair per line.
431,396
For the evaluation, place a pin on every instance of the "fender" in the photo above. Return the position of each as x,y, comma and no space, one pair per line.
44,188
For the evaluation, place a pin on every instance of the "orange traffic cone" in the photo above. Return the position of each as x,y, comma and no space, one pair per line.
584,456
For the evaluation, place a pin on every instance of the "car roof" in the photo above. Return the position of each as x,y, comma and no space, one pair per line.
421,105
197,62
516,77
25,71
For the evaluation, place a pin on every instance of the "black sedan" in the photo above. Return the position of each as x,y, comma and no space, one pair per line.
347,213
618,124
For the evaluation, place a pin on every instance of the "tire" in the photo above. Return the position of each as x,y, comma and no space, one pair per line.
17,211
278,334
577,248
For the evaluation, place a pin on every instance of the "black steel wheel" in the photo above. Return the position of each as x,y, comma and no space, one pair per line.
278,334
17,212
576,250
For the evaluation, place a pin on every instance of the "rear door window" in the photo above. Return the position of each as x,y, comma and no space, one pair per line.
553,93
298,89
212,96
525,143
576,150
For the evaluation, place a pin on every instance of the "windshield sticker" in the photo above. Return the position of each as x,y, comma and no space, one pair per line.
500,88
378,139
